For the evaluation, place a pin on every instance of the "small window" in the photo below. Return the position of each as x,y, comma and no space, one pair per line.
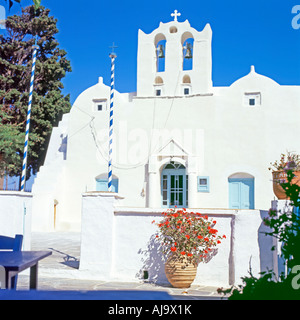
252,99
99,104
186,91
203,184
251,102
158,92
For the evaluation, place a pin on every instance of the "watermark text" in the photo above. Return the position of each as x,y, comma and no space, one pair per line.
296,18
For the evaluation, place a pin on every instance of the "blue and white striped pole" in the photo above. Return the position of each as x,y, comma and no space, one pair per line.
111,117
23,177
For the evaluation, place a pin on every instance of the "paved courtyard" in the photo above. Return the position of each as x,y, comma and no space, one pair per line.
60,271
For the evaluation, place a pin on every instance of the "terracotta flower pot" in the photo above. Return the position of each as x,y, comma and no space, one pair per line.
281,177
180,273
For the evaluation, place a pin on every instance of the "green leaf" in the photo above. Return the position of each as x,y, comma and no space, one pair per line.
37,3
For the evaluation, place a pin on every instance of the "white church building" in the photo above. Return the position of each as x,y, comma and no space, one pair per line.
178,141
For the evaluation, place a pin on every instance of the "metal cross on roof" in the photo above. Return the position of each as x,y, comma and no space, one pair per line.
175,15
113,48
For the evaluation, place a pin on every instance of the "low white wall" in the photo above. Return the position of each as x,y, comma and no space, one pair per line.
120,244
15,215
97,233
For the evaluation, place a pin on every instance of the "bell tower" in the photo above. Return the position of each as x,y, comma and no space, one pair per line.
174,60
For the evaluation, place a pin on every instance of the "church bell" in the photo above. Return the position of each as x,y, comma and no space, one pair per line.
188,53
161,53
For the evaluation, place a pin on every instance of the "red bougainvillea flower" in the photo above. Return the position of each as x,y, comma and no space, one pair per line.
187,234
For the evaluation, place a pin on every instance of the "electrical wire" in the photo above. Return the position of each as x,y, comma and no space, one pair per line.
150,150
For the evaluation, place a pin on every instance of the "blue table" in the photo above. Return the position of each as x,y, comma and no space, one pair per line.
16,261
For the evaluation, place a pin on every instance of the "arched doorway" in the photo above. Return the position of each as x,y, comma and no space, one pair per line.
174,186
241,191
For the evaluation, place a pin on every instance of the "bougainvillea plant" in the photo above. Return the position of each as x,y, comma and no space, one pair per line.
187,235
288,161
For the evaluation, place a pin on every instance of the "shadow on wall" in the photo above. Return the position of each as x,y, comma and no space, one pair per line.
265,243
63,146
153,260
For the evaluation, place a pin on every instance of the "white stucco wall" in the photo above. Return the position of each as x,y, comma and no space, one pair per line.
47,207
15,215
119,243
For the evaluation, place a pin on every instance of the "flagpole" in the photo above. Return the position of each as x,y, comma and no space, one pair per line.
111,114
25,154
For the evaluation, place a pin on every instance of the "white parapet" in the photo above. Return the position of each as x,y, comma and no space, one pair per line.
119,243
15,215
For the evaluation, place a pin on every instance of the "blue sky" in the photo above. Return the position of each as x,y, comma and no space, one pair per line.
245,33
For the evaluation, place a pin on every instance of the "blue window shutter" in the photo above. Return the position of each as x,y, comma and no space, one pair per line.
247,193
234,194
115,185
241,193
102,185
203,184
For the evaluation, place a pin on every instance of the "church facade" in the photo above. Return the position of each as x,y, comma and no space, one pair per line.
177,141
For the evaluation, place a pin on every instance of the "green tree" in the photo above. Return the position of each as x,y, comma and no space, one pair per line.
48,102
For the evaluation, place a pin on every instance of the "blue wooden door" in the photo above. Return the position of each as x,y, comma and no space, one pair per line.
174,188
241,193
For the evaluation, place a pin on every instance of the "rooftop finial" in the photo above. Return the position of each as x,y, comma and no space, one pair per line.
113,53
175,15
